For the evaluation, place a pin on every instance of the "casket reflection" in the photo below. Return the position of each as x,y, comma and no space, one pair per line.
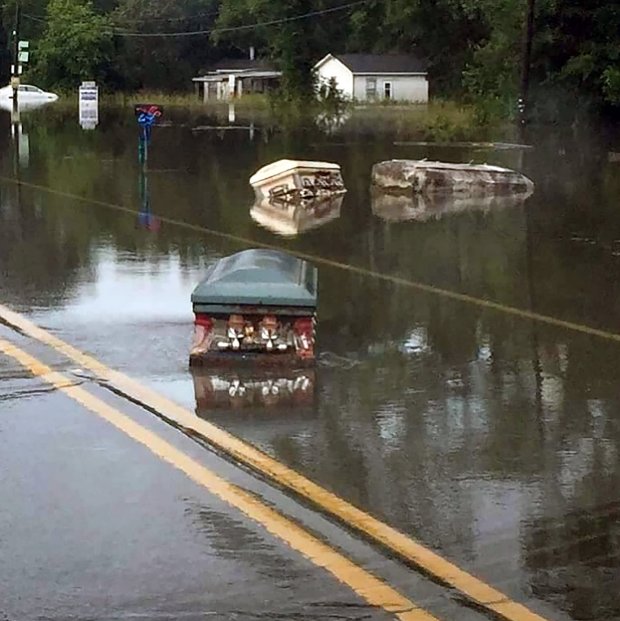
252,389
290,219
399,208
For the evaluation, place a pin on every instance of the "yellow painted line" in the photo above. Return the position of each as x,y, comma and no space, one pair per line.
374,591
397,280
391,539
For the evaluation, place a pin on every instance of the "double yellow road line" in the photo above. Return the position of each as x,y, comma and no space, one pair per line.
372,590
369,587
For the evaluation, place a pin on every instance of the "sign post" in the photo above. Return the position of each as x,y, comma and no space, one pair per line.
15,69
23,55
89,105
146,115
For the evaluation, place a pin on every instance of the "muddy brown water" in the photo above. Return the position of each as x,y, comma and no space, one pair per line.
491,437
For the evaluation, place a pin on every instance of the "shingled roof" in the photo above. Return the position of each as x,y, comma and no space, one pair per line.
242,64
382,63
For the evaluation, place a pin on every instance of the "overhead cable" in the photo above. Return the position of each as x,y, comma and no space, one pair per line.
273,22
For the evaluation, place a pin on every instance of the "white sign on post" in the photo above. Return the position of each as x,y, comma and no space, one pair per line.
89,105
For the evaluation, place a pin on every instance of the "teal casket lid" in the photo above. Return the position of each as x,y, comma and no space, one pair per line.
259,278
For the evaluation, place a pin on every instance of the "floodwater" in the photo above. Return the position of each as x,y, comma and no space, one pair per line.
492,437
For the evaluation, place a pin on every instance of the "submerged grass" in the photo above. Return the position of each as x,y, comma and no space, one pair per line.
181,100
438,121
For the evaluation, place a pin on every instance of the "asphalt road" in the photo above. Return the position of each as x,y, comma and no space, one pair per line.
93,526
97,525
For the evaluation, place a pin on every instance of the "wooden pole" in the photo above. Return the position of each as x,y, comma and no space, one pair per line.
15,72
526,62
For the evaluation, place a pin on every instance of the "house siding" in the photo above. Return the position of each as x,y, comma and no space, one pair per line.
404,87
333,68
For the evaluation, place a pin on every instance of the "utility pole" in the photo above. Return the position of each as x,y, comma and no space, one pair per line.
526,62
15,66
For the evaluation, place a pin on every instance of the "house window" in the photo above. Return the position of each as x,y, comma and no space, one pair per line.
387,90
371,88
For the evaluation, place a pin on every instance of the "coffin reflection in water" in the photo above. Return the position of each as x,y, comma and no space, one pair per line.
398,208
290,219
252,389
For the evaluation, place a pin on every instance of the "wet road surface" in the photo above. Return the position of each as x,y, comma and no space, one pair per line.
490,437
104,523
96,529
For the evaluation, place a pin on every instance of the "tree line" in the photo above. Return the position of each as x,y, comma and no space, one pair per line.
473,47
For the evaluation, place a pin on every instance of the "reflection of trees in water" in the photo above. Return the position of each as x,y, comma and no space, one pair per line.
41,258
573,559
5,152
447,393
575,227
59,234
417,437
197,178
410,416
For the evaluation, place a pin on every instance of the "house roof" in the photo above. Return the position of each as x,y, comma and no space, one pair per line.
222,76
382,63
241,64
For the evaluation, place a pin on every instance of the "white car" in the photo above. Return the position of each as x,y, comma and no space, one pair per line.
27,96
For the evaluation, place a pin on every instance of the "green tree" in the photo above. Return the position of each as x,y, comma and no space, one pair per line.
492,75
445,32
473,46
575,58
294,39
578,48
167,62
611,84
76,45
4,42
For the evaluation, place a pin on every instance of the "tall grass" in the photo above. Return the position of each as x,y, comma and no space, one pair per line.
181,100
437,121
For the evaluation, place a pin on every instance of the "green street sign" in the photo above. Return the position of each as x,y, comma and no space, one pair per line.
23,45
23,57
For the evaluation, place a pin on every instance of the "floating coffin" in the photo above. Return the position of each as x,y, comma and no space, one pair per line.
294,180
413,177
257,305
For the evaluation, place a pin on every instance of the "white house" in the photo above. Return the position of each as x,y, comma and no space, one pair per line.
233,77
371,77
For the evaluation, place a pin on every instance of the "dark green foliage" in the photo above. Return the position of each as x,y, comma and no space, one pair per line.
76,45
166,63
473,47
445,32
578,48
294,44
4,48
331,97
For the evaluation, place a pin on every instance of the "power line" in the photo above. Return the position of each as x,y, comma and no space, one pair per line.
34,18
120,19
185,18
274,22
